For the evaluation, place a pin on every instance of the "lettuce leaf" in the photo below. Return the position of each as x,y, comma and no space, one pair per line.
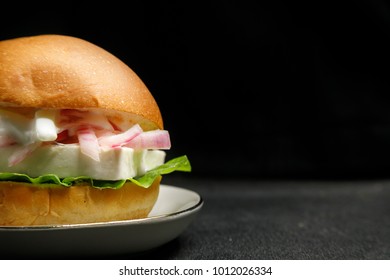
177,164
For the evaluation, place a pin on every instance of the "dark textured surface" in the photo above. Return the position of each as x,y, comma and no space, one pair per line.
273,220
285,220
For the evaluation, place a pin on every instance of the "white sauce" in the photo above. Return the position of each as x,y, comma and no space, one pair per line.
67,160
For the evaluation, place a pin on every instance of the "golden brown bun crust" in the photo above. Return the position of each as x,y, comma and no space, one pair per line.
23,205
56,71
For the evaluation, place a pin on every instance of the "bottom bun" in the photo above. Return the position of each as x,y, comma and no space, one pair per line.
23,204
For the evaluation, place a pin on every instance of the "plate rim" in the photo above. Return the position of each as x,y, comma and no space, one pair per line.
156,218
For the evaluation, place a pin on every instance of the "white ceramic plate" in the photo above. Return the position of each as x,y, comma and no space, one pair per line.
175,209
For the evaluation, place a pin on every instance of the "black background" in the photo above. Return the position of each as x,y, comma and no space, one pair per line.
254,89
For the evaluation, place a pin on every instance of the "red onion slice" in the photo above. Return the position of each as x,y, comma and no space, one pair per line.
121,139
89,144
154,139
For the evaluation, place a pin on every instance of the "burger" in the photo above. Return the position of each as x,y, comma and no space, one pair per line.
81,136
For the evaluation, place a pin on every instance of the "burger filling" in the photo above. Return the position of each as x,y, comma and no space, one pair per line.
68,146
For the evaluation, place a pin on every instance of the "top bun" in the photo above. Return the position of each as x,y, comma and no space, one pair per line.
63,72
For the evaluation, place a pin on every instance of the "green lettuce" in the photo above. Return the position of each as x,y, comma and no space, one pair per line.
177,164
